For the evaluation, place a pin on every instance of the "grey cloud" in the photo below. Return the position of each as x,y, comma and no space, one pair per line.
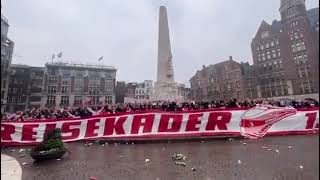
202,32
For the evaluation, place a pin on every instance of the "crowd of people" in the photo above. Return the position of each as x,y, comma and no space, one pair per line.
91,110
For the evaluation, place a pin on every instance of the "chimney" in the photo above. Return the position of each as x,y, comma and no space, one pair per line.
203,66
230,58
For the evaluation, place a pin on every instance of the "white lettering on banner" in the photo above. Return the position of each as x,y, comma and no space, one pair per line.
184,123
71,127
234,122
83,129
156,122
169,126
126,125
17,136
40,132
101,127
204,121
151,125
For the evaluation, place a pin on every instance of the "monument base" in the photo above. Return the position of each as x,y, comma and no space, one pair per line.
166,91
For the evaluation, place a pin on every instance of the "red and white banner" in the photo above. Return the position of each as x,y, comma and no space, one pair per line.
156,125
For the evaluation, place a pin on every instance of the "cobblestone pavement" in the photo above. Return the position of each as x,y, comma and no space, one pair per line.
270,158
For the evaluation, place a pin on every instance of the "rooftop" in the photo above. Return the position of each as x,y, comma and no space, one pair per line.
62,64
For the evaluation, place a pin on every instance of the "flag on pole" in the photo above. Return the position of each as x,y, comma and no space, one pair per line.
59,55
100,58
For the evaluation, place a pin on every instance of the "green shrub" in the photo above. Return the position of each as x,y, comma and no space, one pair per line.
52,140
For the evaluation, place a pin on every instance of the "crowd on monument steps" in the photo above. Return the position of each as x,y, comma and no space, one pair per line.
85,111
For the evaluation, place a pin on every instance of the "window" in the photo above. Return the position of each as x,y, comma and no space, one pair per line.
108,99
66,72
19,99
66,80
109,85
108,75
93,90
267,45
65,89
272,43
94,73
53,80
261,47
35,98
64,100
238,84
51,100
77,100
2,94
4,84
53,72
52,89
94,81
78,85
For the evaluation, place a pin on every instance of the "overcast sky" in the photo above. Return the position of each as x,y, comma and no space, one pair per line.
124,32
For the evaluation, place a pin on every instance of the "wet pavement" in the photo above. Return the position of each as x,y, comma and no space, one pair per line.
269,158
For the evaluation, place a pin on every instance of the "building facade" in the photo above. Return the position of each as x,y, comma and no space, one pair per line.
25,88
6,57
286,52
120,91
144,90
73,84
184,92
225,80
18,88
131,90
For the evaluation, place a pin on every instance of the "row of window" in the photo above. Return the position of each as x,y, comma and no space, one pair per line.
66,89
51,100
233,85
268,45
293,23
14,99
301,58
296,35
274,53
15,90
69,72
298,46
303,72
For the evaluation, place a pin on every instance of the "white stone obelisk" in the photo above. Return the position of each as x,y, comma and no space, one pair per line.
165,87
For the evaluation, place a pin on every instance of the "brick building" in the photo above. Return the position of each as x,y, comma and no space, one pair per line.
25,87
286,52
72,84
224,80
6,58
